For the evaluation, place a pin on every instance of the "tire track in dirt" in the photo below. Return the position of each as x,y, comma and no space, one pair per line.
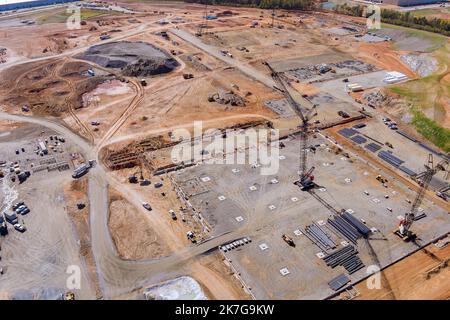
89,135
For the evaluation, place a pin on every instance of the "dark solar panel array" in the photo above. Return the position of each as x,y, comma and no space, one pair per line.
389,158
338,282
347,132
407,171
358,139
373,147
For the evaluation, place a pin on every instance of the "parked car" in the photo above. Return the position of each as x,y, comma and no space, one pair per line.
343,114
20,227
18,204
20,209
172,214
147,206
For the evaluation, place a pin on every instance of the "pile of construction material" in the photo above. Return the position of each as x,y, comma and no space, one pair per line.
226,97
375,98
319,237
346,257
136,59
394,77
338,282
350,227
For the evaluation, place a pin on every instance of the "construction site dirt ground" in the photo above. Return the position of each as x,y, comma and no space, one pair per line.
111,112
413,278
246,210
35,262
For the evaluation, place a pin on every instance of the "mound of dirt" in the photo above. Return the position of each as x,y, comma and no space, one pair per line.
226,97
137,59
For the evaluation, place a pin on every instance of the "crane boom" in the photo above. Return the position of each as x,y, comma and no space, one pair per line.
295,106
427,176
305,177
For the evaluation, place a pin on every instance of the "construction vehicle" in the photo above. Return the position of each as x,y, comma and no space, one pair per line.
69,296
173,214
288,240
381,179
306,179
147,206
132,179
404,228
191,236
343,114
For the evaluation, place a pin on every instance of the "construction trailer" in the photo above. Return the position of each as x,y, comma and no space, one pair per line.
43,147
83,169
11,217
354,87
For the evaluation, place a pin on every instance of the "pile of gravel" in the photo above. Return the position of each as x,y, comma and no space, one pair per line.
226,97
136,59
423,65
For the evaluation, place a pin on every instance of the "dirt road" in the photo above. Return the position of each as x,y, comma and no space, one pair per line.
215,52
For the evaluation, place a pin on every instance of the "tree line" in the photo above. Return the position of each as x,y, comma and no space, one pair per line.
405,19
263,4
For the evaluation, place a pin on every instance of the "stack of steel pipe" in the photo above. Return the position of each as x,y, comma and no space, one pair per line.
319,237
389,158
346,229
346,257
361,227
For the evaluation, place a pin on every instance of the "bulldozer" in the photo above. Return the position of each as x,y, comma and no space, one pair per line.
288,240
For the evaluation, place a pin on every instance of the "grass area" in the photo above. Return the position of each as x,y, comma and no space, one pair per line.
431,130
430,12
436,40
61,16
429,96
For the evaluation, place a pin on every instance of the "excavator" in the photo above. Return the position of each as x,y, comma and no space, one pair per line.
404,228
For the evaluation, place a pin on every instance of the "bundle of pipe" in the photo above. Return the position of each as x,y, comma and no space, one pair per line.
346,257
319,237
361,227
345,228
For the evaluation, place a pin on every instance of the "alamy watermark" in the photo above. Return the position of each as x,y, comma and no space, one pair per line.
257,147
374,280
73,22
373,14
73,281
